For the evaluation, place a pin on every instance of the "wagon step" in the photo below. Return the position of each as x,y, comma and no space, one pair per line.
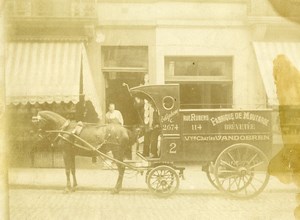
131,161
147,158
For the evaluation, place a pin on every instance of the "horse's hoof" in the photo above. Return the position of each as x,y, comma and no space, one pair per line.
74,188
67,190
115,191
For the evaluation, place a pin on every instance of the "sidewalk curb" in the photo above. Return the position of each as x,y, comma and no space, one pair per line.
180,191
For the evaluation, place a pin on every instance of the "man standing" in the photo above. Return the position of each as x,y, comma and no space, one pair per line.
151,136
113,116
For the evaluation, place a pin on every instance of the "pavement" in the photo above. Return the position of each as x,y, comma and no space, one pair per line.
104,179
36,193
34,204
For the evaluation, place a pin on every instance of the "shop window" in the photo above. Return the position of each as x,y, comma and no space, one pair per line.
205,82
205,95
125,56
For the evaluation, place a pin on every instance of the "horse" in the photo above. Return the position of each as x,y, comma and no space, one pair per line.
105,138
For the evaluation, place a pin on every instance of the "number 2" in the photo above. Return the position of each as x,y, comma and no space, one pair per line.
172,148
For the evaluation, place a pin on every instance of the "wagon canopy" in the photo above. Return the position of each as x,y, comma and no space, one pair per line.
160,95
48,73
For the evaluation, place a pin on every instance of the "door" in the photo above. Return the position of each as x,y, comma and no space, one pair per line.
118,94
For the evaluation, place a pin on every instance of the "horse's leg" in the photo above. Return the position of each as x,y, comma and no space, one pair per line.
118,187
121,169
73,172
128,153
67,161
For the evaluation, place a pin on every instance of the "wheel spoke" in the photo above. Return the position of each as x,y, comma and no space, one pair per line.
227,171
253,186
225,163
245,189
167,188
169,179
157,186
255,165
250,161
244,180
226,178
230,184
246,177
235,162
154,181
238,184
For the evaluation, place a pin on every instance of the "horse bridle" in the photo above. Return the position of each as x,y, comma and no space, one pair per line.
38,118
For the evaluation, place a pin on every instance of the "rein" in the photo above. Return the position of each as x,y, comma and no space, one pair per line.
91,147
63,127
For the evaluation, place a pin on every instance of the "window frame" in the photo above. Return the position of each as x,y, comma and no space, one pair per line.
226,79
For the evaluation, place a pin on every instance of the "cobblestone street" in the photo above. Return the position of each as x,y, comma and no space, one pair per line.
54,204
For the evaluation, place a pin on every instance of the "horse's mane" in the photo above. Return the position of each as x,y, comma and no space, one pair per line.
56,118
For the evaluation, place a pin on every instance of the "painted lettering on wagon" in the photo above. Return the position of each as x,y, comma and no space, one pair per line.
239,115
169,116
253,137
239,127
195,117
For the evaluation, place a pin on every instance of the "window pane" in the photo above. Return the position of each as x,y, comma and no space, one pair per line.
206,95
125,56
198,66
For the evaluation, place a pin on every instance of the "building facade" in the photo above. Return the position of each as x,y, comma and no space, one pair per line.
219,51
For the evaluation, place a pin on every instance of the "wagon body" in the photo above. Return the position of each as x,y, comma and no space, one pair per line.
202,134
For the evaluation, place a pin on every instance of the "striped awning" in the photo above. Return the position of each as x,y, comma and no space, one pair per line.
266,52
47,73
42,72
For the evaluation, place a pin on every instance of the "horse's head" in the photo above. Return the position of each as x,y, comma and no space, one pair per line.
47,120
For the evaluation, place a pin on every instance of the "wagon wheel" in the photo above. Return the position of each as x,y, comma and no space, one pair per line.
163,181
210,173
241,171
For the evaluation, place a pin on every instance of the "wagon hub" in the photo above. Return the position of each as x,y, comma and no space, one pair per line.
243,171
163,182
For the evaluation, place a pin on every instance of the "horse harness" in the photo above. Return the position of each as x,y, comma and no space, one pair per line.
77,131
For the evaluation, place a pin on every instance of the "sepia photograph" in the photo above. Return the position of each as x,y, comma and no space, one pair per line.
149,109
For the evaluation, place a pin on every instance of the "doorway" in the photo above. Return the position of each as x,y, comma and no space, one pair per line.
118,94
